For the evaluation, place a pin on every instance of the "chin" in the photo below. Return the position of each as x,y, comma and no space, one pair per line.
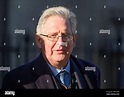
60,58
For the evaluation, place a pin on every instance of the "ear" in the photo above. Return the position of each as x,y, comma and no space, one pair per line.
38,41
74,40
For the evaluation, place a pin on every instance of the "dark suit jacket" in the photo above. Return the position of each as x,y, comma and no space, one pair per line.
37,75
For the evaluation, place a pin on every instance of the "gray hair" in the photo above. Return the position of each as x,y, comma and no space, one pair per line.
60,11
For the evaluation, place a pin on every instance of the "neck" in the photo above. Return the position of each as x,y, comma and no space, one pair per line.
59,65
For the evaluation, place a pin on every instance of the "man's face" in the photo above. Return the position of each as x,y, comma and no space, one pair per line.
60,50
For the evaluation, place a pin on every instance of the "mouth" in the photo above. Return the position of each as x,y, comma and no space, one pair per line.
60,51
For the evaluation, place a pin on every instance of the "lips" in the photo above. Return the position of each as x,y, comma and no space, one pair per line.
60,50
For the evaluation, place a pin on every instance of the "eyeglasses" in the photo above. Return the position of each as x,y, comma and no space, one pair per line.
65,37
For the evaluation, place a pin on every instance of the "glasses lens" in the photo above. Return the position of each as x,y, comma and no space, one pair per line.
69,37
52,37
64,37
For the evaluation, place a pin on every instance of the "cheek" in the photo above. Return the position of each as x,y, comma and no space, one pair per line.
70,47
48,48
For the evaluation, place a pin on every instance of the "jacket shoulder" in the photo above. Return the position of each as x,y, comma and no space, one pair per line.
14,76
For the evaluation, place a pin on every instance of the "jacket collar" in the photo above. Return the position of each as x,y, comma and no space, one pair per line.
42,73
82,84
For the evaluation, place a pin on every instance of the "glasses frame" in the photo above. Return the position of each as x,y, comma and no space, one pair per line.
70,37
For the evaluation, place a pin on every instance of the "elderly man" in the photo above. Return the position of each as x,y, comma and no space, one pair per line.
55,67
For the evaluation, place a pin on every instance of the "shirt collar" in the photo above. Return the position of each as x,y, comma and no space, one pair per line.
56,71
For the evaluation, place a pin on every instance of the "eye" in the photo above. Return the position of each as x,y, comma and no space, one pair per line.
53,36
65,35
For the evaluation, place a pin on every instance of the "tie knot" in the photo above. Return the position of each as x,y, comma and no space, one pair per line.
62,73
64,77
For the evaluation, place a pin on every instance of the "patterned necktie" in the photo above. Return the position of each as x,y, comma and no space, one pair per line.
64,77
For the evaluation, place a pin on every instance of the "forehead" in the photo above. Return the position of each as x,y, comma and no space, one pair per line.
56,24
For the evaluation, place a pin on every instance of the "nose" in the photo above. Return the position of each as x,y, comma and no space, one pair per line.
60,38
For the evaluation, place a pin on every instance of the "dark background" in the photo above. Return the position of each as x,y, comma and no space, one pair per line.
103,49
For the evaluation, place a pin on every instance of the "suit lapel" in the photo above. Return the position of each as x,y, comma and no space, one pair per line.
45,82
43,73
79,76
